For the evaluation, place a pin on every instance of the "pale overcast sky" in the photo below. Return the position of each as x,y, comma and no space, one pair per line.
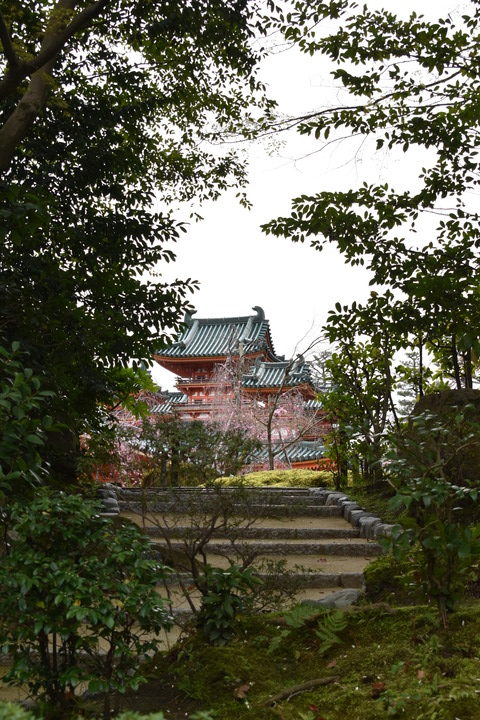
237,265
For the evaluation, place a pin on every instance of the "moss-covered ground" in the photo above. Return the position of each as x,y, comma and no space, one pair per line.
393,659
390,662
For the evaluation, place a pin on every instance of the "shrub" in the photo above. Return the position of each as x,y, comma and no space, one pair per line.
393,580
222,601
282,478
72,581
22,425
441,503
11,711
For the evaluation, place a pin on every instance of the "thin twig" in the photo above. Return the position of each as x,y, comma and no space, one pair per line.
297,689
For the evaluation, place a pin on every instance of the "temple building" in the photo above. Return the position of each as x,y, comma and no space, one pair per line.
228,368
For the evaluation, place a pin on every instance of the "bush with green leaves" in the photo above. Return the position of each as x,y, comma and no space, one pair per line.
423,464
22,425
282,478
78,602
172,452
223,598
12,711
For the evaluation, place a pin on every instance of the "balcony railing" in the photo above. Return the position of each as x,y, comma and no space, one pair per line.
196,381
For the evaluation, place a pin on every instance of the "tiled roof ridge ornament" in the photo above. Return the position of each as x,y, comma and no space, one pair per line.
187,318
260,312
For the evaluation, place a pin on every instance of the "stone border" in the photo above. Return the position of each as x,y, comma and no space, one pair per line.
371,526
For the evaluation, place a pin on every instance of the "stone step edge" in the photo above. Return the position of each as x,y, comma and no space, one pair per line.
370,526
240,533
339,599
125,492
304,580
267,510
366,549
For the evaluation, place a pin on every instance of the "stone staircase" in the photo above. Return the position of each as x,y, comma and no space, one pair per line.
314,541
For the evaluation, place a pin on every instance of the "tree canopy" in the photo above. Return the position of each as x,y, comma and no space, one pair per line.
410,84
113,141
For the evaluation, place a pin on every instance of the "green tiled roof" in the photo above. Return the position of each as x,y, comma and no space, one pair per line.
278,374
169,400
220,337
313,405
299,452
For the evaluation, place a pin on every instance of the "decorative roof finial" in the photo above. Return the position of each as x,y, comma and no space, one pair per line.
260,312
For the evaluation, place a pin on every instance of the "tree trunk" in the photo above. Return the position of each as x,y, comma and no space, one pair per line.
467,366
456,369
19,122
271,456
420,367
62,452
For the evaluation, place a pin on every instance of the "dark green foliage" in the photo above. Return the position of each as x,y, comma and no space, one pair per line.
23,425
11,711
376,499
189,453
441,504
409,85
222,599
78,601
294,619
85,205
393,580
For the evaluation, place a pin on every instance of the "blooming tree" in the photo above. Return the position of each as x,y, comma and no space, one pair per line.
278,419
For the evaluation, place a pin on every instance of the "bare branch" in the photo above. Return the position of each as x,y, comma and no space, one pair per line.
40,69
58,40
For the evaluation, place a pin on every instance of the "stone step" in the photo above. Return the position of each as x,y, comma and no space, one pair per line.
256,510
339,578
176,598
189,496
256,532
273,563
355,547
138,493
162,520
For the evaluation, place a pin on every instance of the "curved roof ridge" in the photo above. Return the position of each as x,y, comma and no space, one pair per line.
223,320
221,337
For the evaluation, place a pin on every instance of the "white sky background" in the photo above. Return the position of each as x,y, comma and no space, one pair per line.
236,264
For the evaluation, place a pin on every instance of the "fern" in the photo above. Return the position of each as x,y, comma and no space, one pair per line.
298,616
277,641
328,629
295,619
